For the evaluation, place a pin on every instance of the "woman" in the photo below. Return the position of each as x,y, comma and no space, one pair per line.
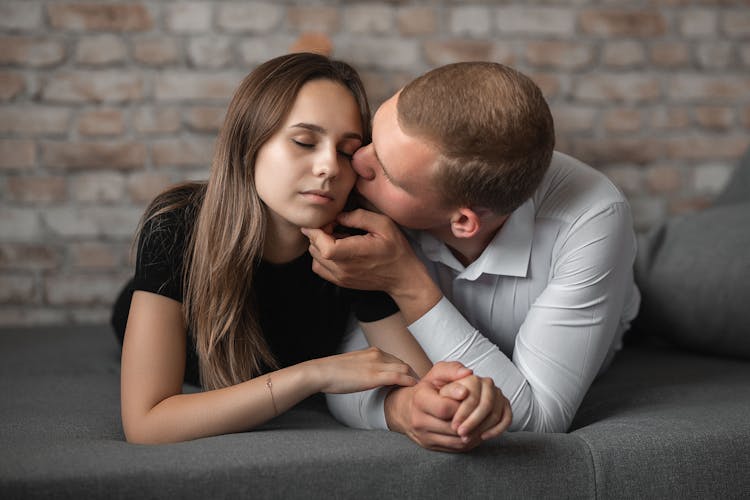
223,292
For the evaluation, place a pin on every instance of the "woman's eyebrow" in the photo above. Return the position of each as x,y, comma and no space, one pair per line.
320,130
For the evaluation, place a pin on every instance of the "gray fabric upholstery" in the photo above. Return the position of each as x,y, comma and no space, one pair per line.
658,423
738,187
60,427
661,422
694,276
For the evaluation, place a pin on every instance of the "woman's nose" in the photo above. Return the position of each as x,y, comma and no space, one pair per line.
362,163
326,164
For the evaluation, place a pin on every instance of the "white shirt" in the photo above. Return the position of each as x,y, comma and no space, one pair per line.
541,311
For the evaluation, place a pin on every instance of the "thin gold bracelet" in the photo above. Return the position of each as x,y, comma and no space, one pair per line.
273,400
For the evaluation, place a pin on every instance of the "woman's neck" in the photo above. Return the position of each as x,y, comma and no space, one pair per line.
283,243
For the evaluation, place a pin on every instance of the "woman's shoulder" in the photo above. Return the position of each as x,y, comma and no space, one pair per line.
172,214
164,233
168,223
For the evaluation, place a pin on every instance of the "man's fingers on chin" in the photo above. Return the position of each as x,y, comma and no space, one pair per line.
359,218
313,235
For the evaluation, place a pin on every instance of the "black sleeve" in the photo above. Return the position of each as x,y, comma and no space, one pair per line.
159,264
372,306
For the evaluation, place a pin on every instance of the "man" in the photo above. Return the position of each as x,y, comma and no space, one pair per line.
521,267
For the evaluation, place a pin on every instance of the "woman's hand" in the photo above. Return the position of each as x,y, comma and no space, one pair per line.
359,371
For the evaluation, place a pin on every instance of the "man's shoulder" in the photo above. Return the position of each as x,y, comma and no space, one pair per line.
571,188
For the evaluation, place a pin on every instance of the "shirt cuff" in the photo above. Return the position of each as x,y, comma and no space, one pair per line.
373,411
441,330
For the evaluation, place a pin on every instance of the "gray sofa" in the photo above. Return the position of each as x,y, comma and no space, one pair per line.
661,423
667,420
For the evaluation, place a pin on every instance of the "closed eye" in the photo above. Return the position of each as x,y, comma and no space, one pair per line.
307,145
303,144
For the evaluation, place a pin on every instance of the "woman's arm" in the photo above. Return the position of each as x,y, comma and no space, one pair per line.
392,336
154,410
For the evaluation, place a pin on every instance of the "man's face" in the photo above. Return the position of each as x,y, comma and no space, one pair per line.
395,173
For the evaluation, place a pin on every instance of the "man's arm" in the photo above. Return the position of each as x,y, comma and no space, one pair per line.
425,414
567,332
384,260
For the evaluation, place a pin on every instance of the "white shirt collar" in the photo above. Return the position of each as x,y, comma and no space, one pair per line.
507,254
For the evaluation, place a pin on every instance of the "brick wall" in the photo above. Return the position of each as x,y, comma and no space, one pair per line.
102,104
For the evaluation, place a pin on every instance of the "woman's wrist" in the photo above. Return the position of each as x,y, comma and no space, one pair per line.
311,375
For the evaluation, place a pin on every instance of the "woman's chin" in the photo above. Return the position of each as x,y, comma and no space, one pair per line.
315,222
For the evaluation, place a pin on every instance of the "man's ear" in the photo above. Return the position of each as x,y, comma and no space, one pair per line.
465,223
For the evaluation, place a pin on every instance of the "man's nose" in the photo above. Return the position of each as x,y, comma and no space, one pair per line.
362,163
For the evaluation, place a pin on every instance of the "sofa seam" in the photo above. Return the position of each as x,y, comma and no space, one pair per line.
593,465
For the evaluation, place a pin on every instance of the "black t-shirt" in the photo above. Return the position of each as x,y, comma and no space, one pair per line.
302,316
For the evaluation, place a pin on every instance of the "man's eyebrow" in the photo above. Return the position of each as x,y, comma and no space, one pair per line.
320,130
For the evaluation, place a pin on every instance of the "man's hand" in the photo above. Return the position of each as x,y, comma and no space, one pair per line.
426,411
484,410
382,259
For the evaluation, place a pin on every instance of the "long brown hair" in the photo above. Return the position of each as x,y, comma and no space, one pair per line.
226,241
492,127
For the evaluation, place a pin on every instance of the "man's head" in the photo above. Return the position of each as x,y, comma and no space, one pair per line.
474,136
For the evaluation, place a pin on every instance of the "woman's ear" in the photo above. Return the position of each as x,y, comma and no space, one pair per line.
465,223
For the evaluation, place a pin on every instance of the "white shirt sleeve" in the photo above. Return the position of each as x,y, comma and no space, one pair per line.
559,348
566,334
361,410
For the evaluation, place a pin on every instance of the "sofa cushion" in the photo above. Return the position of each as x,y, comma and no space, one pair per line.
694,276
662,423
659,423
62,438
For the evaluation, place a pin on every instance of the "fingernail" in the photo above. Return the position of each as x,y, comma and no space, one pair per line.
465,439
304,231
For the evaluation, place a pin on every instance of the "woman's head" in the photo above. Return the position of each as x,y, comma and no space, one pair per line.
227,241
303,173
257,112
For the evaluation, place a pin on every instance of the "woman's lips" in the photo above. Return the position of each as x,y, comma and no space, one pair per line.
318,196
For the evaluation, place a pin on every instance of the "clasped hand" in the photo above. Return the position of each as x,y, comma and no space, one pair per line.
449,409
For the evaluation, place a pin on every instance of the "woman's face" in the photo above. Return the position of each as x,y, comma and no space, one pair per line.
303,173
